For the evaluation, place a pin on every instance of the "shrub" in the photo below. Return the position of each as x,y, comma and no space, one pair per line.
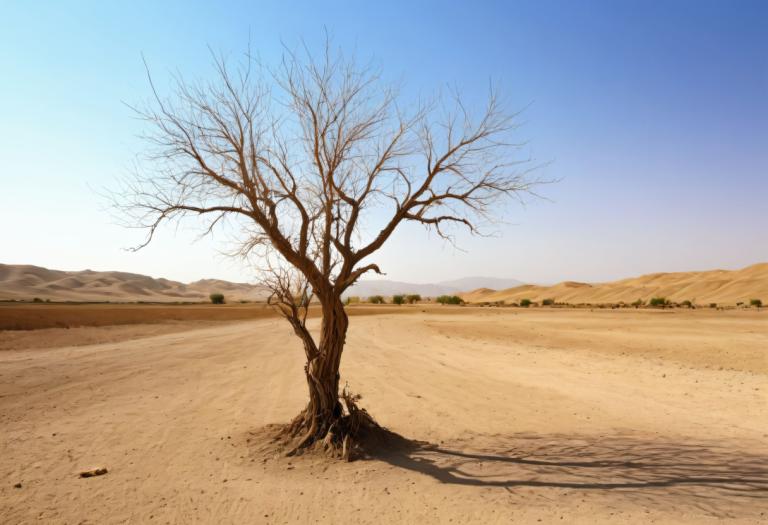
376,299
756,302
352,299
449,299
398,299
659,301
548,302
525,303
638,303
37,300
217,298
412,298
713,305
686,303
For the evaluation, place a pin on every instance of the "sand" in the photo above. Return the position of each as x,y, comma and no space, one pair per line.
551,416
723,287
25,282
727,288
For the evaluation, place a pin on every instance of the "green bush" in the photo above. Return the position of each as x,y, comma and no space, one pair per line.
659,301
450,299
686,303
525,303
756,302
217,298
548,302
376,299
412,298
398,299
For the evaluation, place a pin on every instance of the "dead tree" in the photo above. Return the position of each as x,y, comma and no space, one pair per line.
300,156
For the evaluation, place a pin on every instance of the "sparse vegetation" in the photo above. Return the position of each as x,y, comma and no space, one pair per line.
217,298
376,299
548,302
37,300
525,303
398,299
756,302
352,299
638,303
449,299
412,298
659,301
686,303
713,305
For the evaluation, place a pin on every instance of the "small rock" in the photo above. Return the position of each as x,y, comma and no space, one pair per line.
93,472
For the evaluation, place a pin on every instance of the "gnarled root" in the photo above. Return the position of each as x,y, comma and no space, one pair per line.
343,433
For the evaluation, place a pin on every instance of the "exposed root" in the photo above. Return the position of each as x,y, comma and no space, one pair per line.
350,433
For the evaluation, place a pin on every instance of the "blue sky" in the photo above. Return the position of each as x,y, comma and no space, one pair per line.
653,115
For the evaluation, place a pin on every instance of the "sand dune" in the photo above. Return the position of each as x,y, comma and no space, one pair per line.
25,282
533,416
716,286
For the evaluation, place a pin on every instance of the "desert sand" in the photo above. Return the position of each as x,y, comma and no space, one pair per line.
724,287
24,282
515,416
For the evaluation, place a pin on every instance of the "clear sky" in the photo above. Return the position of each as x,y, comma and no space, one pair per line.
654,115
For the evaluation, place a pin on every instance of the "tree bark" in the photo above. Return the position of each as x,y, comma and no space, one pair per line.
321,419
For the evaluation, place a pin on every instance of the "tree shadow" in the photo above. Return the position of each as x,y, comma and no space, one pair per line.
651,471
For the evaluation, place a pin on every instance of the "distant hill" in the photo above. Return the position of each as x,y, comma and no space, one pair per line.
716,286
388,288
24,282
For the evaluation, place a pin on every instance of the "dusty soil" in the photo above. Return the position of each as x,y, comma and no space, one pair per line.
564,416
36,316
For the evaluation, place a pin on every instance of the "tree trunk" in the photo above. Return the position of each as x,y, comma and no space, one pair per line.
321,421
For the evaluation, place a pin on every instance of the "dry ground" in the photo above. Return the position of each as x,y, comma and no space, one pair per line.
36,316
552,416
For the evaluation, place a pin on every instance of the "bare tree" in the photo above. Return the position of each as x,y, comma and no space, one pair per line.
309,156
